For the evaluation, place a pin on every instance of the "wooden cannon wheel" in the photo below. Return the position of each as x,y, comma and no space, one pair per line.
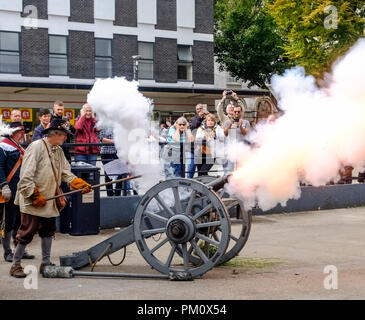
168,226
239,217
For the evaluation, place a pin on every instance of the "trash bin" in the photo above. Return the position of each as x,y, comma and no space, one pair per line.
81,216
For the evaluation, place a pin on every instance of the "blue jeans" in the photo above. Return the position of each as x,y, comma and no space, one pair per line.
191,166
176,170
88,158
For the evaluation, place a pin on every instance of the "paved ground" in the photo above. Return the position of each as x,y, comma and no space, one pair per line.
284,258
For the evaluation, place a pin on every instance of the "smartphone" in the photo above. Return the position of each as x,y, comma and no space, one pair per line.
205,109
228,92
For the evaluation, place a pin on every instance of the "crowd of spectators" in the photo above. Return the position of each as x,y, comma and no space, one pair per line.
193,147
189,147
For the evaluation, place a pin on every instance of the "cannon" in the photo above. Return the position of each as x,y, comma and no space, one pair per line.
182,228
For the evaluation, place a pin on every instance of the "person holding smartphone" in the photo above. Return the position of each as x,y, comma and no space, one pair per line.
233,100
58,111
235,130
241,126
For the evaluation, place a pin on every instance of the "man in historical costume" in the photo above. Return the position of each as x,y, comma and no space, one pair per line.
16,116
44,168
11,154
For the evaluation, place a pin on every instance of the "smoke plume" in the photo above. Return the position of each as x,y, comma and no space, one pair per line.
119,105
322,130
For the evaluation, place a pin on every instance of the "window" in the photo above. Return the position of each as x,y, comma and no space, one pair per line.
9,52
145,63
184,63
103,58
58,55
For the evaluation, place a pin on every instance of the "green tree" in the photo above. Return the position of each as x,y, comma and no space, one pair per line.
317,32
246,42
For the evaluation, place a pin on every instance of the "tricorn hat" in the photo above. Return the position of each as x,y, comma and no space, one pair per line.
58,124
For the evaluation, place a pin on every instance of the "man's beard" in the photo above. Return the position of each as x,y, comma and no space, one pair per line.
19,141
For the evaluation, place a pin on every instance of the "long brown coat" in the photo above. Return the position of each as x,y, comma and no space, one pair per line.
36,170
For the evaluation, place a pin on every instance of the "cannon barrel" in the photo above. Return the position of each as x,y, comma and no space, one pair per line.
219,183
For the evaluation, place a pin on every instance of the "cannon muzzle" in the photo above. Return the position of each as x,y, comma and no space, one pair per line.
219,183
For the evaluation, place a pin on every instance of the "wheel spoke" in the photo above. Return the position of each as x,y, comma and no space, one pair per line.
190,250
159,245
233,238
215,236
171,254
185,257
208,224
231,205
203,237
203,211
151,232
190,203
199,251
156,216
164,205
202,197
178,207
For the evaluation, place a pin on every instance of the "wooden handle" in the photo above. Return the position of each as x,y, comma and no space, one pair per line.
92,187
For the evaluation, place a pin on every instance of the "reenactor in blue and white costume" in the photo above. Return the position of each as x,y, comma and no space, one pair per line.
11,153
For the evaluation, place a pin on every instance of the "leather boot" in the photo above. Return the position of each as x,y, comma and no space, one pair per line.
17,271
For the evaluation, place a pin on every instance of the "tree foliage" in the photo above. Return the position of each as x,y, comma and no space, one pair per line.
246,42
317,32
255,39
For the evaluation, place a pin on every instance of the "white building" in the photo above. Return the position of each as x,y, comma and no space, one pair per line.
55,49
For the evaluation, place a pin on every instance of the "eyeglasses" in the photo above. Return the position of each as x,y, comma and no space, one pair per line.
181,124
236,111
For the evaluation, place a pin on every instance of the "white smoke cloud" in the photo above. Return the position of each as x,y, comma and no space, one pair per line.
118,104
321,131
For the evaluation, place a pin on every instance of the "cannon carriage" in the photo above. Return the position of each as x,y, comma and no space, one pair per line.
182,228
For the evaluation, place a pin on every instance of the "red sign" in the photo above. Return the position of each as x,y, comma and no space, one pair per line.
26,115
70,114
6,113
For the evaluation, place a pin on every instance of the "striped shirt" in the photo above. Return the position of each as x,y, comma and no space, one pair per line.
108,134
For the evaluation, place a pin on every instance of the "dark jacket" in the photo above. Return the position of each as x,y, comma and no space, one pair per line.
9,156
195,122
37,134
68,140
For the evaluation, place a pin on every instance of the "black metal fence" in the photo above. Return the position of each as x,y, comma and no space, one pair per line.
125,188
